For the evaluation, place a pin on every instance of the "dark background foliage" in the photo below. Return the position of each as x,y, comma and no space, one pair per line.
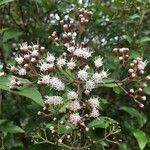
115,23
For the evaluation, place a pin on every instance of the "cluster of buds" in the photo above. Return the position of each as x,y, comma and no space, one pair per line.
122,54
137,67
138,95
70,26
84,16
136,70
28,59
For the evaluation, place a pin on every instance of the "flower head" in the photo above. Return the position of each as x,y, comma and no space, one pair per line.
82,75
74,106
75,118
61,62
50,58
57,84
98,62
54,100
94,102
72,95
94,113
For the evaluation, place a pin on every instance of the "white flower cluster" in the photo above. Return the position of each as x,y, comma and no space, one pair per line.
53,100
94,104
75,118
73,69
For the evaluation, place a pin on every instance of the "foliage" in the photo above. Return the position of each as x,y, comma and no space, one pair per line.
123,125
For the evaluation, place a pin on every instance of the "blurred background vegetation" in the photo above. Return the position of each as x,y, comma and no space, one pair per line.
115,23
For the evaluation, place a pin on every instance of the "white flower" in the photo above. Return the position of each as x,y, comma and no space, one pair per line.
35,46
82,53
19,60
72,95
26,56
104,74
141,64
89,85
57,84
98,62
60,140
22,72
71,65
97,77
82,74
50,58
24,47
45,79
71,49
35,53
94,102
74,106
61,62
46,66
94,113
75,118
54,100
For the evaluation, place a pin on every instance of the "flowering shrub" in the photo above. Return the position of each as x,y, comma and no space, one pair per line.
70,105
79,93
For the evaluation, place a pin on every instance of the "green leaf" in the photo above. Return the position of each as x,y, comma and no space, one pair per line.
62,129
2,121
134,54
135,16
134,113
98,123
141,138
147,90
101,122
145,39
27,90
123,146
5,2
10,34
9,127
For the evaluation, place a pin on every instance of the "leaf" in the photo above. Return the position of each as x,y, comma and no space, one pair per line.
123,146
134,113
141,138
5,2
62,129
135,16
147,90
135,54
129,39
2,121
10,34
145,39
28,91
9,127
101,122
98,123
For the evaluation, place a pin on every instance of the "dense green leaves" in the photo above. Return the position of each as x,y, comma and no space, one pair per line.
9,127
134,113
28,90
11,34
114,23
